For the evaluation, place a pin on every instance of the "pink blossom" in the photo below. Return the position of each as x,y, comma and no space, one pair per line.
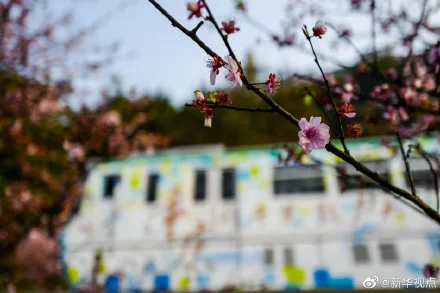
313,135
229,27
319,29
200,101
195,9
346,110
214,65
273,83
354,130
234,72
434,58
209,114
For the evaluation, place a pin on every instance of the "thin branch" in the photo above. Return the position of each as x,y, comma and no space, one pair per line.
373,33
434,172
237,108
190,34
320,106
341,131
199,25
431,213
407,167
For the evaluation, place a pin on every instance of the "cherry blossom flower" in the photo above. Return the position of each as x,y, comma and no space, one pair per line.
313,135
229,27
430,271
319,29
273,83
434,58
200,101
222,99
195,8
234,72
354,130
346,110
209,114
214,65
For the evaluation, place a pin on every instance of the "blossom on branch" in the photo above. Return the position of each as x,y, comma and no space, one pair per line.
209,114
434,58
346,110
200,101
214,65
313,135
319,29
273,83
195,8
354,130
229,27
222,99
234,72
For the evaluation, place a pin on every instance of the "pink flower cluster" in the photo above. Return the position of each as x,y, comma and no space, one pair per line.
215,99
313,135
195,8
233,75
319,29
273,83
434,58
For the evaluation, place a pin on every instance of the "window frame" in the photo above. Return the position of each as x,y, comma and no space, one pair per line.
276,182
202,189
112,186
386,258
233,189
361,258
151,195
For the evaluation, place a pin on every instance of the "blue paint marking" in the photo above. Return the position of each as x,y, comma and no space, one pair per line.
269,278
162,282
324,280
361,232
150,267
291,287
413,267
111,284
434,241
202,281
232,257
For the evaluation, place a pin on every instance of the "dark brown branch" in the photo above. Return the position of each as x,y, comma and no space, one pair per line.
407,167
237,108
199,25
434,172
190,34
431,213
341,131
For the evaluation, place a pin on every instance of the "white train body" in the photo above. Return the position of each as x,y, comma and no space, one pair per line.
208,217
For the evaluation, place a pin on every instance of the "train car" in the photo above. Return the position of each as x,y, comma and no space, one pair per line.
210,217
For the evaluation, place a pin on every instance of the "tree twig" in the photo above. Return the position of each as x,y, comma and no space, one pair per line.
431,213
238,108
407,167
341,131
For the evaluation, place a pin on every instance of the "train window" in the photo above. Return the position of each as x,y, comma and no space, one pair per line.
110,183
200,185
422,175
349,178
228,184
388,252
361,254
298,180
268,257
288,256
153,184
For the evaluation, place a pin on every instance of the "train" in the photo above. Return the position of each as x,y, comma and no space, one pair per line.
208,217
